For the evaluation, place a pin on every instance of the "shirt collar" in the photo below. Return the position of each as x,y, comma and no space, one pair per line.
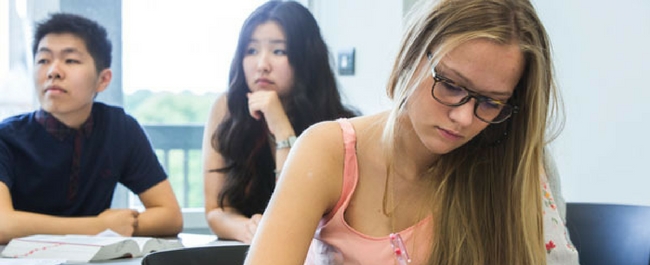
59,130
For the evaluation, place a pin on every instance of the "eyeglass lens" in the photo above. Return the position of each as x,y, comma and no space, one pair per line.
486,109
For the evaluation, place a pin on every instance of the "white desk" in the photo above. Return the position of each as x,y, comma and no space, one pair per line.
188,240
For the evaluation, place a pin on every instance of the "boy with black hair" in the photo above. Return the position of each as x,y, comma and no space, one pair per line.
59,165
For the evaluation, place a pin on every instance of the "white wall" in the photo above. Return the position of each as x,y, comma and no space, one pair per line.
602,51
374,29
602,60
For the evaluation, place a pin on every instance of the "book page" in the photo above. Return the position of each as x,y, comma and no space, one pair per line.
157,244
93,240
84,248
76,248
31,261
142,241
124,249
146,244
50,247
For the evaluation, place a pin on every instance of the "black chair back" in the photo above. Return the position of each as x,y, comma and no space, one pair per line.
610,234
213,255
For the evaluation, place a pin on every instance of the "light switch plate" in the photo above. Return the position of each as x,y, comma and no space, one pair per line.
346,61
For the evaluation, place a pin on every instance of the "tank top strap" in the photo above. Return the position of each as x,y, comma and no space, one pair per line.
350,166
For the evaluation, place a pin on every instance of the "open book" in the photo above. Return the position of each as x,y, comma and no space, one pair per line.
84,248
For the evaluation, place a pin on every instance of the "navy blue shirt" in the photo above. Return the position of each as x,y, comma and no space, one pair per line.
39,166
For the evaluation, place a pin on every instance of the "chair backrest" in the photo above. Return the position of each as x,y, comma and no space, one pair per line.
213,255
610,233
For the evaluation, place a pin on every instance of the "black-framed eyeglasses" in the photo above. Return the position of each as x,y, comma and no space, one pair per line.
486,109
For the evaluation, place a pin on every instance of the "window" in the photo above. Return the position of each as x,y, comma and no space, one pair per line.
16,89
175,64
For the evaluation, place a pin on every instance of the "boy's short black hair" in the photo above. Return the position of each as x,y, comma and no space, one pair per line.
93,34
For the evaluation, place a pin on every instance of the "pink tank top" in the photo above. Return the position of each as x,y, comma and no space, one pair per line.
335,242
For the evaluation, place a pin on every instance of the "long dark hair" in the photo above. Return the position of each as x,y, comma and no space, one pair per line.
243,141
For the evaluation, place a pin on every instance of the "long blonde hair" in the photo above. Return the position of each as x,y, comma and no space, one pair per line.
486,194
